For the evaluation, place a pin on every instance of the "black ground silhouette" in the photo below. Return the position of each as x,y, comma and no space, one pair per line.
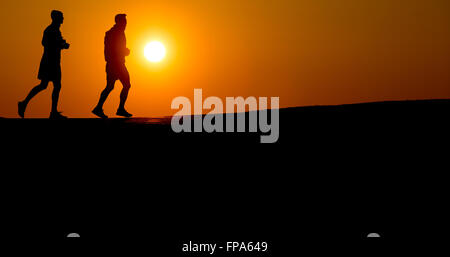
336,170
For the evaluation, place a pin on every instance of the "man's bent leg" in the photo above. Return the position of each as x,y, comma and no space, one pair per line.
105,93
22,106
35,91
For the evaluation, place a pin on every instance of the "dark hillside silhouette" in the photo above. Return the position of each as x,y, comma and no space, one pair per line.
335,169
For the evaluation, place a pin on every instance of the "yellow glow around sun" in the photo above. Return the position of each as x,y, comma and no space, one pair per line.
154,51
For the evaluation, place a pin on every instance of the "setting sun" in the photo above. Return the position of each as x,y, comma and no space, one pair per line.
154,51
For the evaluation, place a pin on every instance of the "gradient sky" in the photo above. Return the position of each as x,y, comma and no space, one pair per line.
307,52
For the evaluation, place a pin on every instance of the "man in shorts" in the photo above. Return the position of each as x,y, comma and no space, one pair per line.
115,52
50,67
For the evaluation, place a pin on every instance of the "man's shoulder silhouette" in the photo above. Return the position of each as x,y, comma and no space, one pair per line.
112,32
109,32
115,43
111,36
51,29
51,35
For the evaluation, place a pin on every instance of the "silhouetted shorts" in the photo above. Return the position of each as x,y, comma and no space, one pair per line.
117,72
49,71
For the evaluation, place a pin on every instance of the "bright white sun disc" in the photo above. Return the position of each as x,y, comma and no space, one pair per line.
154,51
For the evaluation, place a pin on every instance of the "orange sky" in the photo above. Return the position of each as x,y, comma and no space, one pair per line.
307,52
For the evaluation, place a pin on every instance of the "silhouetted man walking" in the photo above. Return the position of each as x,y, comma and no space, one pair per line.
50,67
115,52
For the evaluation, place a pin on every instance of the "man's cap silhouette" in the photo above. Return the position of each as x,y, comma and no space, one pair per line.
120,17
56,14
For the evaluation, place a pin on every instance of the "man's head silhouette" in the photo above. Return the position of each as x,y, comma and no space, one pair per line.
57,17
121,21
